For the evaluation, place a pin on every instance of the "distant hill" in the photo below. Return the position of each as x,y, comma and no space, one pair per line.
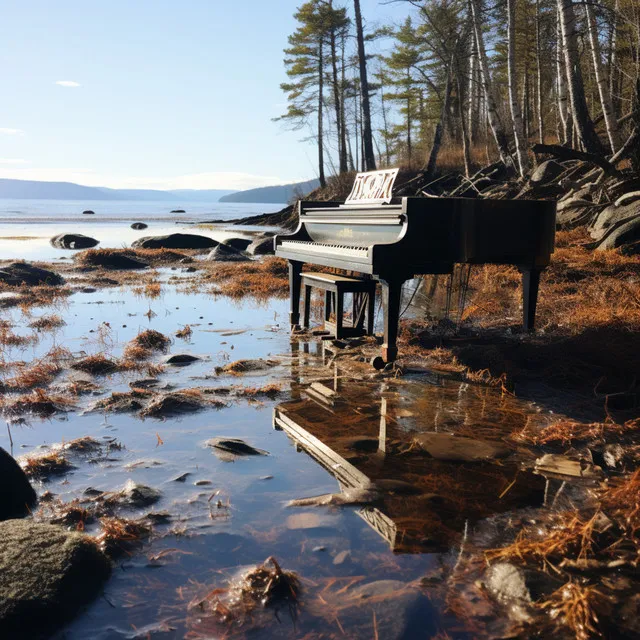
281,194
37,190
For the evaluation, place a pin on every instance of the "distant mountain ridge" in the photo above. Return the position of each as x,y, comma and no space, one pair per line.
281,194
37,190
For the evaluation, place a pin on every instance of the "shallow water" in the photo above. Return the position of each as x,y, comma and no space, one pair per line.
403,537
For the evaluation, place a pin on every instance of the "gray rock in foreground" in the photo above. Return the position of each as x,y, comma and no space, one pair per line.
261,247
175,241
546,172
224,253
73,241
16,493
18,273
47,576
626,237
613,217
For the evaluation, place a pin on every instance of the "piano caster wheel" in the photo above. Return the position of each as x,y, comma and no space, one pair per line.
377,363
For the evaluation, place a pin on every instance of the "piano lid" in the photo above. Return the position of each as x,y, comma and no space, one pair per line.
374,187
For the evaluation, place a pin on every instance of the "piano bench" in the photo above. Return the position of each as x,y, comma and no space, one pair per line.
334,286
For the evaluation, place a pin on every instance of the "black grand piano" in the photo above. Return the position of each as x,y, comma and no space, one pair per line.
394,241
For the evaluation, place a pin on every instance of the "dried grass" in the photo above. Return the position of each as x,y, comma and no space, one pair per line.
185,333
38,402
39,374
46,465
97,364
47,323
260,279
120,536
567,432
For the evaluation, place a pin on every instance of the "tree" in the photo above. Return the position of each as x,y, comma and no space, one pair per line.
367,136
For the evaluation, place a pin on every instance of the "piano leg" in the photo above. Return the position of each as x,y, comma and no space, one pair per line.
295,280
391,294
530,284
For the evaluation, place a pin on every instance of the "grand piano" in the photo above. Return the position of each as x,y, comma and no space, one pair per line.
394,240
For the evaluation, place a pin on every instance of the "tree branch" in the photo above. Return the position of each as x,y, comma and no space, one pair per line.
565,153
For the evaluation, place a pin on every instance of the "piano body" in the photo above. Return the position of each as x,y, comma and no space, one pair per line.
395,242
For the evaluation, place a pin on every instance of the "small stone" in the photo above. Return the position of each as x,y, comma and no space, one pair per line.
344,557
182,478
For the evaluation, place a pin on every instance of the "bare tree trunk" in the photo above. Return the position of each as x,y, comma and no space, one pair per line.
463,123
602,80
614,75
321,176
539,76
516,115
563,104
367,135
492,112
385,123
472,112
581,118
437,135
409,116
343,116
342,152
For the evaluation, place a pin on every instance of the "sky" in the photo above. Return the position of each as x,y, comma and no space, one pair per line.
156,94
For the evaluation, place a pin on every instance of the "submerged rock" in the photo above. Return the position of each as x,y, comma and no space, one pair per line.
46,576
18,273
446,446
180,359
240,244
229,449
134,495
224,253
73,241
172,404
16,493
175,241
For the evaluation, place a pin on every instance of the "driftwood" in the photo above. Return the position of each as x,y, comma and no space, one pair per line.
565,153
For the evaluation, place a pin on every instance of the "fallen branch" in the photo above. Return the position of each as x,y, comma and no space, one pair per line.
565,153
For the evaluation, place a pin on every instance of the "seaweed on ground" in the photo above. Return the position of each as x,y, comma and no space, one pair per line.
119,536
97,364
45,465
47,323
567,432
37,402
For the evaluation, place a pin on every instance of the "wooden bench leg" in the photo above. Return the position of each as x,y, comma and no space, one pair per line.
371,310
295,279
339,313
327,306
307,306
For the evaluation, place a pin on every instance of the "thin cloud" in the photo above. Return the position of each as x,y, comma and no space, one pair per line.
68,83
11,132
13,161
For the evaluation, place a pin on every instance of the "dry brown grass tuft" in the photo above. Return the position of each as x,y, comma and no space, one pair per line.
259,279
97,364
10,339
46,465
152,340
272,390
39,374
566,432
47,323
38,402
119,535
185,333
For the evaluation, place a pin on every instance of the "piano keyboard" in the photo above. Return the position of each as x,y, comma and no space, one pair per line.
324,249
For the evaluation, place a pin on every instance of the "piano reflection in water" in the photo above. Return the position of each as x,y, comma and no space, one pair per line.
393,240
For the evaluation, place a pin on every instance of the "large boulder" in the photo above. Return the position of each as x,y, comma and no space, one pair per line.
626,237
18,273
546,172
16,493
240,244
614,216
175,241
224,253
138,226
47,575
109,259
261,247
73,241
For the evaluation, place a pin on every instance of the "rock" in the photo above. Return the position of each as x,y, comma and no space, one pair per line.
230,449
180,359
342,558
400,611
88,212
546,172
16,493
507,584
240,244
178,211
261,247
361,496
172,404
557,464
613,217
108,259
138,226
613,455
445,446
135,495
18,273
224,253
626,237
246,366
73,241
175,241
46,576
575,211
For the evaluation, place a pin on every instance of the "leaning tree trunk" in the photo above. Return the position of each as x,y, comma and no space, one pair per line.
438,133
492,112
581,118
516,115
321,176
602,81
367,135
463,122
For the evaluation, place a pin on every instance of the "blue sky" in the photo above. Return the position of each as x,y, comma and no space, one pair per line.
151,93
